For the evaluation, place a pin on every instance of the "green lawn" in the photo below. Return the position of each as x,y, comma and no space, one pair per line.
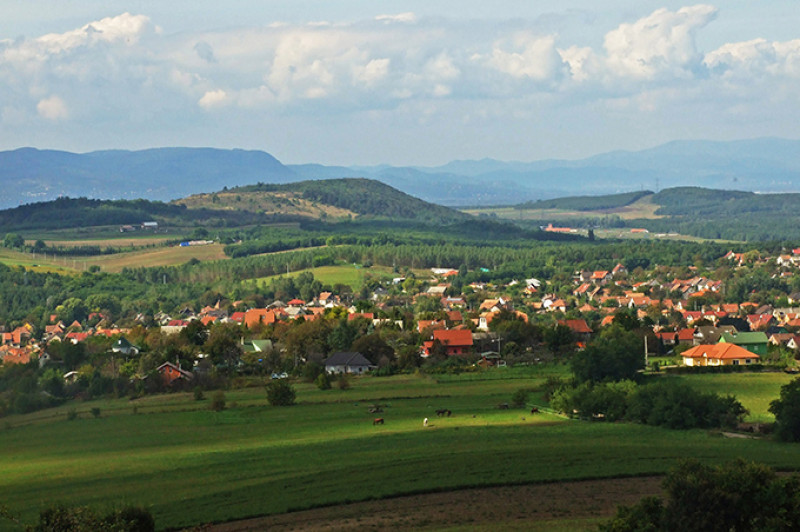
754,390
191,465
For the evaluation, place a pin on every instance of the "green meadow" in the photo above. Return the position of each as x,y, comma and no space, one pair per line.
348,274
190,465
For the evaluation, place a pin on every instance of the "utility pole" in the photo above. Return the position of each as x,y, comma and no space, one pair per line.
645,352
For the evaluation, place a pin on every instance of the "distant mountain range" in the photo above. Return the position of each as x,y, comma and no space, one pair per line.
762,165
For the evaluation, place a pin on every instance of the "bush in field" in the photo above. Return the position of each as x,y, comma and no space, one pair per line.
735,496
323,382
85,519
679,406
280,393
218,401
787,412
343,381
520,398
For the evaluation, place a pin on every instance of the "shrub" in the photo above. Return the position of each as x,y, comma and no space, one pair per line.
323,382
700,497
95,412
85,519
218,401
787,412
198,394
343,381
280,393
520,398
72,414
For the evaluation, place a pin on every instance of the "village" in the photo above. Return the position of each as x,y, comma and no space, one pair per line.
683,321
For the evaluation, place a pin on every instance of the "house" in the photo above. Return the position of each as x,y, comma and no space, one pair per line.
708,334
600,276
257,316
348,362
755,342
580,330
124,347
455,342
722,354
170,373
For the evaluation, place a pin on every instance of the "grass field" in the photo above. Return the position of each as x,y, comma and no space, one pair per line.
642,208
162,256
349,274
754,390
191,465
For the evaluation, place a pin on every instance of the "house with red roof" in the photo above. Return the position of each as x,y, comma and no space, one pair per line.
723,354
455,341
256,316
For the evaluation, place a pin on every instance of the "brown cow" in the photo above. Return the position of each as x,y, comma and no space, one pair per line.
377,421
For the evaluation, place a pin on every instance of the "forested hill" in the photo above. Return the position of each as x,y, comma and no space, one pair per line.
362,197
696,211
588,203
333,200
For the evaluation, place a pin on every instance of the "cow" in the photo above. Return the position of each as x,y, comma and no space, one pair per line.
377,421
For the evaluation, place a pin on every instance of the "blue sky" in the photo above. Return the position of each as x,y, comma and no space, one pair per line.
420,82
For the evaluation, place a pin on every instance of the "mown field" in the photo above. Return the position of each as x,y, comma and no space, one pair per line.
349,274
191,465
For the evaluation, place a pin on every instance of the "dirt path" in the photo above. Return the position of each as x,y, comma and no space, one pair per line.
564,505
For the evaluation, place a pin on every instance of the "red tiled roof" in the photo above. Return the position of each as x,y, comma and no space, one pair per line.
723,351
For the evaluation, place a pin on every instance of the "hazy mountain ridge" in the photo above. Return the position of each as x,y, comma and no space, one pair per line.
763,165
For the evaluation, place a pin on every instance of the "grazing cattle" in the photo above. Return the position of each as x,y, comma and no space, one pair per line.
377,421
503,406
375,410
534,410
444,412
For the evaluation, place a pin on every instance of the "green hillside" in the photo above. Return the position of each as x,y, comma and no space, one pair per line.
365,197
588,203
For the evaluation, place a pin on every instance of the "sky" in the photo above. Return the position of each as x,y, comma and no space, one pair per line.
356,82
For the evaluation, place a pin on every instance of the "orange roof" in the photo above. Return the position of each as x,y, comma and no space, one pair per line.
577,326
453,337
723,351
258,315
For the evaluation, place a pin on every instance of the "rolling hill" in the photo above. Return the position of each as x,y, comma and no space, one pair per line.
164,174
328,200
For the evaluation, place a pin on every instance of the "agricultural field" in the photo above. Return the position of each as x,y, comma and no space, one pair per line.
191,465
161,256
643,208
115,262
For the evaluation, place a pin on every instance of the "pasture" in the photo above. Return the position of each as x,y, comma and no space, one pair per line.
191,465
348,274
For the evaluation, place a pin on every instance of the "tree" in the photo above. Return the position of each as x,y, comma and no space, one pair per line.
738,495
223,344
13,240
614,355
280,393
787,412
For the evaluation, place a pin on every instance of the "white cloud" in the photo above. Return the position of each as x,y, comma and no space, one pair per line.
533,57
213,99
755,57
373,72
662,43
117,68
408,17
52,108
